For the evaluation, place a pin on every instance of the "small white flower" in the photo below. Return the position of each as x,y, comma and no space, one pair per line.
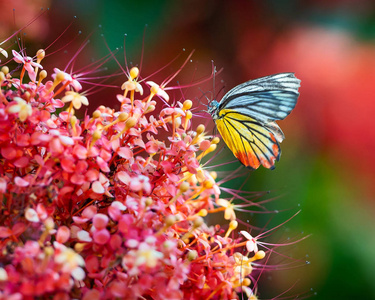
23,109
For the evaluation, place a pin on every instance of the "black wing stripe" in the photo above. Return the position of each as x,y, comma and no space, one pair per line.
282,81
242,141
252,130
251,98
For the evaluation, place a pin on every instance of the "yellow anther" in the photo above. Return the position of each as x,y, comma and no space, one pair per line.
5,70
96,114
134,72
184,186
188,116
40,54
209,150
208,184
212,148
60,77
170,220
42,75
203,212
246,282
96,135
27,96
200,175
200,129
233,224
2,76
148,201
192,255
259,255
73,121
215,140
213,174
123,116
78,247
198,222
187,104
154,90
130,122
48,251
149,109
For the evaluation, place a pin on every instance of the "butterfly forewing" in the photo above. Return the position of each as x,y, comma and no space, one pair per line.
246,114
265,99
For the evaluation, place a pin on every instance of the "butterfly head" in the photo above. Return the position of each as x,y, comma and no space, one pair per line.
213,107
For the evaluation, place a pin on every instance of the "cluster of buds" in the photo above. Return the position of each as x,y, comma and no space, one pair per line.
111,205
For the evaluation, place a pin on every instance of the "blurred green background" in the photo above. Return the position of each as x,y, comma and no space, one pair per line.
327,166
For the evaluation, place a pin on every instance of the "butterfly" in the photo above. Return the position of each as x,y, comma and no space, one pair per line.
245,117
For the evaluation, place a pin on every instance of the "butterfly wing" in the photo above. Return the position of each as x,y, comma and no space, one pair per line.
245,118
250,141
265,99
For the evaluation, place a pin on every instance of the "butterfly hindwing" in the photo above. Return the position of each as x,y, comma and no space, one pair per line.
251,142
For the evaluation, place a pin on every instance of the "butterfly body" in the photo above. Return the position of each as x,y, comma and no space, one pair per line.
245,117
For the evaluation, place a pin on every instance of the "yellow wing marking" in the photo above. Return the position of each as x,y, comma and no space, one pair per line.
249,140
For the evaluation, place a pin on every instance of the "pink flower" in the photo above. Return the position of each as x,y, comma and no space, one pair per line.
68,79
28,64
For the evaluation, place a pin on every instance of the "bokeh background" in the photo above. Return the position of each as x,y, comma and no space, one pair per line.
327,165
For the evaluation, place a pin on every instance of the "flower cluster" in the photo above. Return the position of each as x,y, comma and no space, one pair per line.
111,205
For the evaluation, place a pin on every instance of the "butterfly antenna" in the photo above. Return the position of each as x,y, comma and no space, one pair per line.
213,80
221,89
203,94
